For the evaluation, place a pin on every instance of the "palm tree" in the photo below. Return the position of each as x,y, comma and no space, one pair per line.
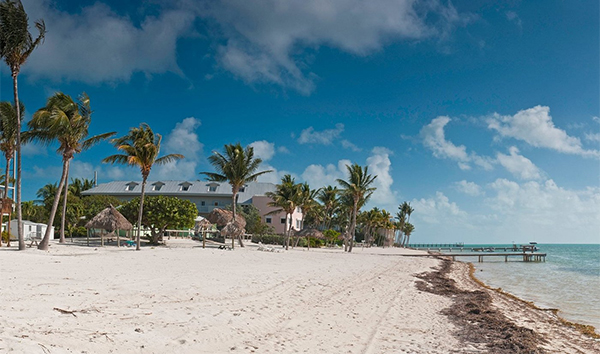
16,44
8,145
403,217
358,186
238,167
328,196
285,197
79,185
140,148
306,201
66,121
408,229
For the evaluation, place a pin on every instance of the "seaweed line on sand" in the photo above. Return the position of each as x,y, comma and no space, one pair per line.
587,330
478,322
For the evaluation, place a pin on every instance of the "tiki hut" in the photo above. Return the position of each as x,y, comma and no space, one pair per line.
223,217
109,220
308,233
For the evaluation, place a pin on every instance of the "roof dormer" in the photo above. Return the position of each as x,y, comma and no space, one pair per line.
185,186
212,186
157,186
130,186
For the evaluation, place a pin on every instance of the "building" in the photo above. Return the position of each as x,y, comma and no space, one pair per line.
30,229
206,195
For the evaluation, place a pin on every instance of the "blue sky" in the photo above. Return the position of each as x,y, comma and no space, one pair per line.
483,115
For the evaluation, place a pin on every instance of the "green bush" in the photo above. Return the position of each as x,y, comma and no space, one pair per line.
269,239
314,242
5,236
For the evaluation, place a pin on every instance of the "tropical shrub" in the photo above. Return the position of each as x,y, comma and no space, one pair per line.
269,239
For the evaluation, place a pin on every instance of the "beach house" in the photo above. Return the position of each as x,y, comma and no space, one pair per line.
206,195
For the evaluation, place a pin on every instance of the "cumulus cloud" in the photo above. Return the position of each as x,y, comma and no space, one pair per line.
469,188
184,140
324,137
438,210
380,165
520,166
535,127
263,149
98,45
320,176
434,138
266,40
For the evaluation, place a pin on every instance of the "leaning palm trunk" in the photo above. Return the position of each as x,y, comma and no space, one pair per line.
353,225
139,225
18,184
44,243
64,210
239,237
289,231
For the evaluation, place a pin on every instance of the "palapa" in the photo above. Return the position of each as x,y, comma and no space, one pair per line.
233,230
310,233
110,220
223,217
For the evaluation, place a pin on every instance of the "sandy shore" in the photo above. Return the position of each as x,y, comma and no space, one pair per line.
184,299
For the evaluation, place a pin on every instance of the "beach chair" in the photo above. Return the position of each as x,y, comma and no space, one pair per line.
129,243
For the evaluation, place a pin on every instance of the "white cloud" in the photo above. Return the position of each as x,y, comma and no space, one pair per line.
545,211
380,165
263,149
438,210
33,149
469,188
593,137
98,45
434,138
535,127
184,140
520,166
513,17
266,39
321,176
347,144
325,137
283,150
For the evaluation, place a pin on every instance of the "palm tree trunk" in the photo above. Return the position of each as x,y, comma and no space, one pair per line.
44,243
353,225
233,207
289,231
139,225
6,180
234,214
15,73
64,211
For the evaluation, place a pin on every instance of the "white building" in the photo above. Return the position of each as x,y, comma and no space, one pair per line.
30,229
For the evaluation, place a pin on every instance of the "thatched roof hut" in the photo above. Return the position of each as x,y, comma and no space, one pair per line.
110,220
233,230
310,233
223,217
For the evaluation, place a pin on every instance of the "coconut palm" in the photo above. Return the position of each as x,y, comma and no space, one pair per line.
16,44
77,186
238,167
408,230
66,121
140,147
358,186
403,216
285,198
328,196
8,145
307,202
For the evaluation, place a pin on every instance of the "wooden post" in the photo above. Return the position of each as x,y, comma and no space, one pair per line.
102,238
203,237
505,259
88,237
118,240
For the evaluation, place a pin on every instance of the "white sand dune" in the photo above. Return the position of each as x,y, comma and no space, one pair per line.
75,299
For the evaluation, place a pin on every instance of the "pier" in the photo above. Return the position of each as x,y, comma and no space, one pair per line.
527,257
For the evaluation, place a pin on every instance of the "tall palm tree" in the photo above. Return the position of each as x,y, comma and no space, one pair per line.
16,45
403,216
140,147
238,167
359,187
328,196
408,229
285,197
8,145
306,202
66,121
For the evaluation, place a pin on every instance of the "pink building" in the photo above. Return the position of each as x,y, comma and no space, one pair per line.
276,221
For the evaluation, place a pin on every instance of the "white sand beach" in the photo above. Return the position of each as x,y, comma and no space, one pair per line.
185,299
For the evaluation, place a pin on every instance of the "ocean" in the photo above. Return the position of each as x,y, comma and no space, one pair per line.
569,280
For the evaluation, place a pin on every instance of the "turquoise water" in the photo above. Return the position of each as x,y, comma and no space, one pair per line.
569,280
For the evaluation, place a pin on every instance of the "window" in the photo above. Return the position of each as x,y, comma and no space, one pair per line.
130,186
185,186
268,220
283,220
242,189
298,224
203,203
298,210
216,203
157,186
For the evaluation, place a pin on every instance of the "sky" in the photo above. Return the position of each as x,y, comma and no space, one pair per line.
484,115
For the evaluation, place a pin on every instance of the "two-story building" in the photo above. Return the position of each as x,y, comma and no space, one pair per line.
206,195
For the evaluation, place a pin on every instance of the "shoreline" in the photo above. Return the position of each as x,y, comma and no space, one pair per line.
587,330
183,299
